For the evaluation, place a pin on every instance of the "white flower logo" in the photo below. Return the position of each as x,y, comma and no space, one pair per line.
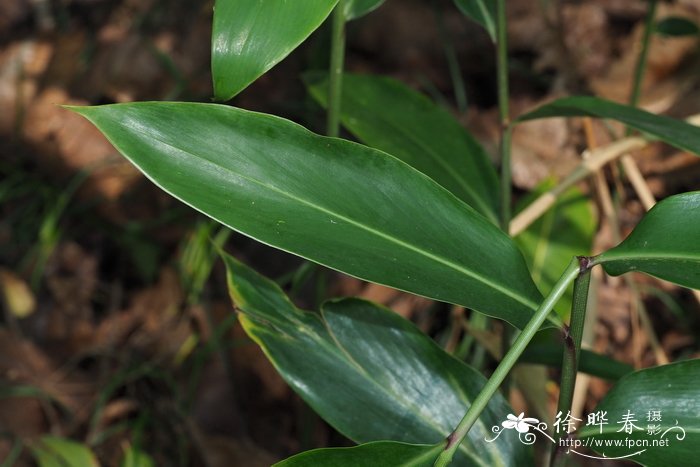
521,423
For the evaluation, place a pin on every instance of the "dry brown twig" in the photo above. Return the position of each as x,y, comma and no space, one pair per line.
638,313
593,160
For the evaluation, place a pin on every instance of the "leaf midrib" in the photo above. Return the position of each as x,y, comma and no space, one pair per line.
673,256
359,225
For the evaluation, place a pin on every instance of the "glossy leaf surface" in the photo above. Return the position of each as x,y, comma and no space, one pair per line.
669,393
52,451
357,8
481,11
387,379
384,453
340,204
674,132
665,243
564,231
388,115
251,36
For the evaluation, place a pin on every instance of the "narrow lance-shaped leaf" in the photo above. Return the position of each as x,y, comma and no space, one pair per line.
481,11
550,242
662,406
388,115
384,453
251,36
665,243
674,132
340,204
370,373
357,8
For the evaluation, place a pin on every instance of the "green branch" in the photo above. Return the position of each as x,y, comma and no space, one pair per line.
509,360
504,146
335,85
504,112
572,343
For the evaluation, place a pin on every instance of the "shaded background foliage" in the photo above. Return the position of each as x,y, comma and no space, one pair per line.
115,333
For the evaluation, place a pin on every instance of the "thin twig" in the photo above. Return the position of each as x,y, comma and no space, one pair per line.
592,163
639,315
638,183
601,186
638,312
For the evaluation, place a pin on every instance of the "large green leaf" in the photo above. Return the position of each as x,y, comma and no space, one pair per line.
481,11
251,36
388,115
340,204
369,372
379,453
674,132
550,242
356,8
672,391
665,243
51,451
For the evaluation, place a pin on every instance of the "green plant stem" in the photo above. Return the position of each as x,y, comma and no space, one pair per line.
504,112
504,146
458,86
506,209
572,343
509,360
335,85
643,54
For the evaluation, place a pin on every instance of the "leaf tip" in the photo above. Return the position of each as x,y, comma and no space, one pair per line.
86,111
232,265
79,109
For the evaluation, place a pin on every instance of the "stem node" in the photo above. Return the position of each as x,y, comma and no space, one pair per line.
585,263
